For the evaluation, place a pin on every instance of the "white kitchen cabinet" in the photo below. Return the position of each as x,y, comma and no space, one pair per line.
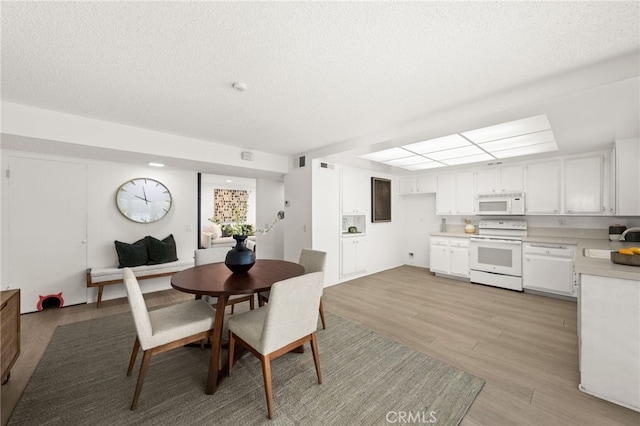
500,179
549,268
417,185
439,255
627,176
449,256
583,184
353,255
407,185
610,339
542,188
356,191
454,193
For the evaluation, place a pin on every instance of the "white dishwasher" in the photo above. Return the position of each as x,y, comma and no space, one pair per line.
549,268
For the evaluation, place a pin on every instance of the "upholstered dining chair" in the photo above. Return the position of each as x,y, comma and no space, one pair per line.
312,261
209,255
289,320
165,328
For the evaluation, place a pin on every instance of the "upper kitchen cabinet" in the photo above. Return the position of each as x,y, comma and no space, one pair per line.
583,184
627,176
500,179
417,185
542,189
356,192
454,194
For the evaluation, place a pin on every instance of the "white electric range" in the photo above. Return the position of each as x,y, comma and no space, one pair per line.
495,254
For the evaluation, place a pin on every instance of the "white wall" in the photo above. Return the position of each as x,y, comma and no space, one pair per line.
297,192
419,221
105,223
325,187
385,239
269,201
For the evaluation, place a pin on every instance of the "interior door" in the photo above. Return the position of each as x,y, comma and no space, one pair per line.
47,218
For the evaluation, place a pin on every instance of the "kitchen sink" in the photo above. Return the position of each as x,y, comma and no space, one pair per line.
599,253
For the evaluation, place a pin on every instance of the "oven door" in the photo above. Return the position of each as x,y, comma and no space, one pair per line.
496,255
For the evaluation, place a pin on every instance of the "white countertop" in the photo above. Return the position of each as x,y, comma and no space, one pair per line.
584,265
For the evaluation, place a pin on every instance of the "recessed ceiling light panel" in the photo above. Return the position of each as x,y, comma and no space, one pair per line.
455,153
527,150
468,159
438,144
424,166
415,159
519,141
387,154
509,129
515,138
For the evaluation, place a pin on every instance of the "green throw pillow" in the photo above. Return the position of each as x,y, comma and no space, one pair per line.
135,254
162,251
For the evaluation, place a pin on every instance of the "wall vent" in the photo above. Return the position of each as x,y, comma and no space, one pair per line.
324,165
299,162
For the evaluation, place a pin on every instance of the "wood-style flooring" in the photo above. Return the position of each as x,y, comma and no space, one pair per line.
524,346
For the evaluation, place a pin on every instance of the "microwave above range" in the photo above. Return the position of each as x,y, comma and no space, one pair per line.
504,203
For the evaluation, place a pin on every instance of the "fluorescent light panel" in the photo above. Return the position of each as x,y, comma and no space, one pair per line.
407,161
508,130
387,154
438,144
424,166
514,138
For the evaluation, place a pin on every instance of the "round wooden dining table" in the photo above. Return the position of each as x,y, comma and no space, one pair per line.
215,279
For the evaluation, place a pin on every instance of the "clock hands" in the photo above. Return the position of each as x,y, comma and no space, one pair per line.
145,196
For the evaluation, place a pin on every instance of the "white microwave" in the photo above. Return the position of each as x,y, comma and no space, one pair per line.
511,203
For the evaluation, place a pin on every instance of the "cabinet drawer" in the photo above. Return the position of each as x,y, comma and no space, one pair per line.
459,242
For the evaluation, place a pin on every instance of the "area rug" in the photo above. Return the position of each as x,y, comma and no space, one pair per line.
367,379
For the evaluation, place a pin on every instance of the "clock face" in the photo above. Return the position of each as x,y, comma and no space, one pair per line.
143,200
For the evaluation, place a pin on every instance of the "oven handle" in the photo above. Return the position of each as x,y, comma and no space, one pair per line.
491,240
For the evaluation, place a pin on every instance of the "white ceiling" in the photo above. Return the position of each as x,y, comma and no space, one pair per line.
329,77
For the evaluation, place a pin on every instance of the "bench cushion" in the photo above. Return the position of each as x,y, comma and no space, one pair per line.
107,274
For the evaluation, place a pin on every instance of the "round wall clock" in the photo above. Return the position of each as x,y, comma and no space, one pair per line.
143,200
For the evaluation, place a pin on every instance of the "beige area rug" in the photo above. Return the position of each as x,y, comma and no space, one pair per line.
367,379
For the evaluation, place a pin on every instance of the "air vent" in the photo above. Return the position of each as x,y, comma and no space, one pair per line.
299,162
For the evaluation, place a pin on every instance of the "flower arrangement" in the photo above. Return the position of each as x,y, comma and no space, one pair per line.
239,225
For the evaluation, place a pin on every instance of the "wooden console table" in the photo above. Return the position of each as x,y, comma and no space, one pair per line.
10,327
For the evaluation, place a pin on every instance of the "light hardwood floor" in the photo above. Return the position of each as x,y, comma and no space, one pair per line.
524,346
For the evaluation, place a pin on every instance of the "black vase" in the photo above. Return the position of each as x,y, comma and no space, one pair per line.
240,259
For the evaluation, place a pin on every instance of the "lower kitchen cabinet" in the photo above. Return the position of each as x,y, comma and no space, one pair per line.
449,256
549,268
610,339
353,255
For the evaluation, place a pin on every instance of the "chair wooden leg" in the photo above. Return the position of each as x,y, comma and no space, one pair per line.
232,345
134,355
232,308
324,324
316,356
266,373
146,358
260,300
252,303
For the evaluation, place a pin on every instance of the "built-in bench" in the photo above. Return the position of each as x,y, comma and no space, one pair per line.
99,277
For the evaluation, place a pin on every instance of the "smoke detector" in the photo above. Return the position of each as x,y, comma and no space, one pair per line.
239,86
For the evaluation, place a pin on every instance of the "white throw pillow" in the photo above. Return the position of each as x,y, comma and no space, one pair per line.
214,229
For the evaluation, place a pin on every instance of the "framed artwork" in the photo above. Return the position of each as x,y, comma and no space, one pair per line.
380,200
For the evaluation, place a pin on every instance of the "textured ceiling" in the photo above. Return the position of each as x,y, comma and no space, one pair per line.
317,73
